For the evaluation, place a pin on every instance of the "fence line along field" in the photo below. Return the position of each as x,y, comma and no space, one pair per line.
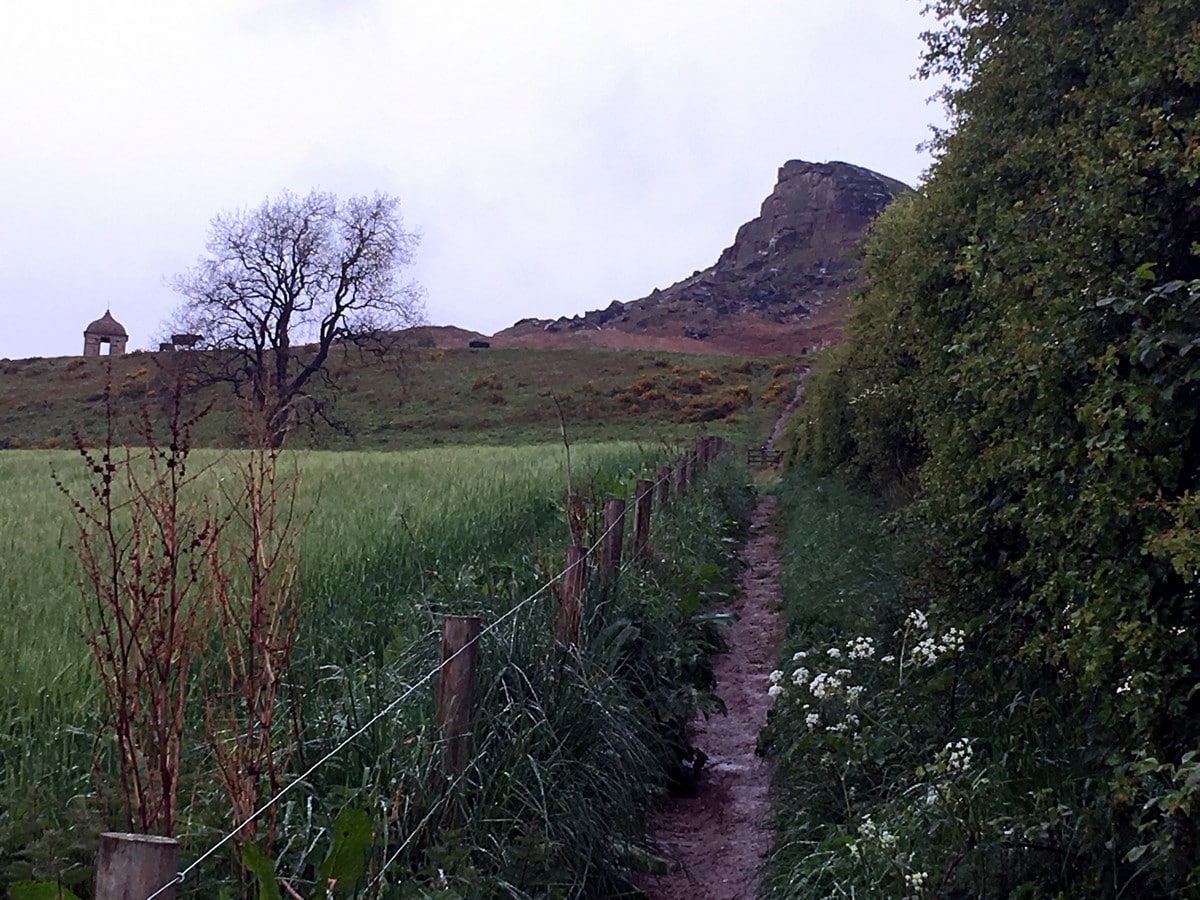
386,539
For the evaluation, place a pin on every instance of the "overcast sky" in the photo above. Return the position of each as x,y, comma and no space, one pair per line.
554,155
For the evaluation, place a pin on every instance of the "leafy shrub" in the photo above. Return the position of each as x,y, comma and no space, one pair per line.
1024,366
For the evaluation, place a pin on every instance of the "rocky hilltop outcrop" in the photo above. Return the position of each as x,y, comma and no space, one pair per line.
796,259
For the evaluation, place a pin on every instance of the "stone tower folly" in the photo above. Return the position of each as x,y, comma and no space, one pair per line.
105,330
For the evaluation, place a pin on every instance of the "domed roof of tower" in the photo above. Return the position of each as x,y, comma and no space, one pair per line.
107,325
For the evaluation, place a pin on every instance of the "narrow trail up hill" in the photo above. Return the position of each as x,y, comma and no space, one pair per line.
716,841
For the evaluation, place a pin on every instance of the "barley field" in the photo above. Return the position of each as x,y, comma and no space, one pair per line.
387,539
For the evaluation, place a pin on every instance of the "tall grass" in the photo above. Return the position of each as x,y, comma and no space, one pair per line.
390,541
572,748
840,582
897,777
381,530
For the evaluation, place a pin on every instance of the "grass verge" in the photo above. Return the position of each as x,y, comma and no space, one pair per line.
572,749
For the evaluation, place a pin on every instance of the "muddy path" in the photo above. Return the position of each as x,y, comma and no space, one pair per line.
715,842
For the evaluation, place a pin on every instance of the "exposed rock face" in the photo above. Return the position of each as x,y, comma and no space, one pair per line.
799,254
801,247
815,207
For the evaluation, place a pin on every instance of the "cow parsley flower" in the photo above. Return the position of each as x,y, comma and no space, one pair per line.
957,755
825,685
861,648
916,880
917,620
929,650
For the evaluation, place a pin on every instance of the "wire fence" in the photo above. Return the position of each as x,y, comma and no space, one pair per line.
671,474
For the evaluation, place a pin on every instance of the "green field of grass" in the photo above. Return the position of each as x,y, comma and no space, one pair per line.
389,542
382,534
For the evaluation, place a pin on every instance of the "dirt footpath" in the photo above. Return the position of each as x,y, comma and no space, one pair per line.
716,841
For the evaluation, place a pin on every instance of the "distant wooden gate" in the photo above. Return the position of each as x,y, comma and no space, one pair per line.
762,457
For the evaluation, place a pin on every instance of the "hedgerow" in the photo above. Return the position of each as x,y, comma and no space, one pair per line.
1024,367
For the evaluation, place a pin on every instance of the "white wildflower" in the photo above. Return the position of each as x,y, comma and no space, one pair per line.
812,720
952,640
800,677
834,653
776,676
925,653
861,648
824,685
917,620
799,655
775,691
958,755
887,660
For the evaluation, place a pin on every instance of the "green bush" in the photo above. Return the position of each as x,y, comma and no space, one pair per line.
1024,365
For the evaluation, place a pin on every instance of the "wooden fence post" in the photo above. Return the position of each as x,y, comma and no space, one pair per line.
662,488
576,517
456,690
699,457
641,517
134,866
567,622
712,447
681,476
614,537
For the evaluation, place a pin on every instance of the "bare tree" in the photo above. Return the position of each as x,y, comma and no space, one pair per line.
284,284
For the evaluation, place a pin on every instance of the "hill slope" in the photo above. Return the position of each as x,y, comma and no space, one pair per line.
429,397
781,287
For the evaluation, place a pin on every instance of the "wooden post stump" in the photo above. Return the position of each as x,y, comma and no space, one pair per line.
662,487
570,611
614,538
456,689
712,447
641,517
134,866
681,477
